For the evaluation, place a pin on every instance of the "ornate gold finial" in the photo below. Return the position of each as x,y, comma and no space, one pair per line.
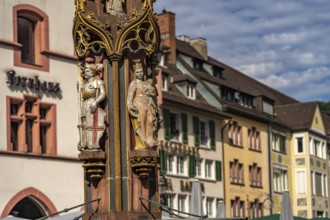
137,66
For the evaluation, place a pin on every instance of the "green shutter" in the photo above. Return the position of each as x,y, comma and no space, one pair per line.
184,125
212,134
196,130
162,161
166,118
192,166
218,171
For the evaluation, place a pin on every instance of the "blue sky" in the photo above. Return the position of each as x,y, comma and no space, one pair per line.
284,43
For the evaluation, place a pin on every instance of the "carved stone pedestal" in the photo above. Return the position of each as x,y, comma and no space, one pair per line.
94,164
143,161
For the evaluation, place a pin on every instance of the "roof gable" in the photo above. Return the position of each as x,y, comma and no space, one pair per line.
317,122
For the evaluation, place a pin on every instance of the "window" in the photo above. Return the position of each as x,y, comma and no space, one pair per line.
256,209
236,172
255,175
237,208
254,139
199,163
31,31
234,134
182,203
301,181
317,148
278,143
174,126
198,65
170,162
191,91
164,82
217,71
268,107
208,169
170,200
300,145
227,93
203,133
31,125
209,207
181,165
246,100
280,180
319,184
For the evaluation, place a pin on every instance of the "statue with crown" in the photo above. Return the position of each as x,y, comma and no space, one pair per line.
143,110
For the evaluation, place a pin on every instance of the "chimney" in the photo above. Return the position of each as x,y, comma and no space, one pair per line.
200,44
166,21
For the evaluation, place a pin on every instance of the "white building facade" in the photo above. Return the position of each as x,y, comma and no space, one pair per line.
39,168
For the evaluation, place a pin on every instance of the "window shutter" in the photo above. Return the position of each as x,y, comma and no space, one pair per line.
192,166
196,130
184,125
162,161
166,118
212,134
218,171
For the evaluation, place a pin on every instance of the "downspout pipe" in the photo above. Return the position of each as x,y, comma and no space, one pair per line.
223,153
269,129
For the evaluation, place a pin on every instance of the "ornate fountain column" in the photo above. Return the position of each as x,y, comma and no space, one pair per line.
116,42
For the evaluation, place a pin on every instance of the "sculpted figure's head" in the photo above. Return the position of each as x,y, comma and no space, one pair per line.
138,71
91,69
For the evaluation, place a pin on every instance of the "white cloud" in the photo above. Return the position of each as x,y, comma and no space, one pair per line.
260,70
282,43
283,38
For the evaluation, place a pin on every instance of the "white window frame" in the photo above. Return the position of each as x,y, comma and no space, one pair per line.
207,132
177,126
199,167
209,206
296,137
191,91
171,197
317,147
209,169
281,182
181,162
164,82
170,164
301,181
182,206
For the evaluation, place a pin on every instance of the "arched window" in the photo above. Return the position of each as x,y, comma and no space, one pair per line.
29,203
29,208
31,33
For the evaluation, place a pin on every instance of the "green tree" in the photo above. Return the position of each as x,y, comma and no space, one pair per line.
325,107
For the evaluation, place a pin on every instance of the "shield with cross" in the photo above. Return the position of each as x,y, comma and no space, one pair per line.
94,128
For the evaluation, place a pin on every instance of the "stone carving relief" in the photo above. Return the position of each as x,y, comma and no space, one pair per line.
143,110
91,116
114,7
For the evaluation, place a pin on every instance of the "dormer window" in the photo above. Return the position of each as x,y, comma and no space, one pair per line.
164,82
268,107
246,100
227,93
191,91
198,65
217,72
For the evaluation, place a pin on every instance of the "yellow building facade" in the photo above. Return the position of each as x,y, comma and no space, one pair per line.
246,171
